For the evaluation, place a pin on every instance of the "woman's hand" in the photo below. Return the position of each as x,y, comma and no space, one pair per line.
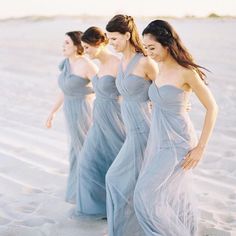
49,121
193,157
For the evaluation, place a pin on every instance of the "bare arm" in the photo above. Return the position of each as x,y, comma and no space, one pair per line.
91,70
206,98
85,68
151,69
55,108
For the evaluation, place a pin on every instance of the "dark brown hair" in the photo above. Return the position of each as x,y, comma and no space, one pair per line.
165,34
75,36
123,24
94,36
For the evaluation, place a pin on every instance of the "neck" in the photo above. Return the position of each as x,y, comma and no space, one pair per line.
167,64
129,52
104,56
74,57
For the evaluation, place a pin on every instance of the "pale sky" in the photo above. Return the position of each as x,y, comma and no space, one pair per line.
18,8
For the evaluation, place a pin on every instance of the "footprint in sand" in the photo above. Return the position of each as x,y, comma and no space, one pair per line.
36,221
48,191
26,209
28,190
19,210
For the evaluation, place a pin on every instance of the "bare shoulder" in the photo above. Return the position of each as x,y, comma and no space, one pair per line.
189,75
148,62
114,63
86,67
192,79
150,67
145,60
89,65
85,62
115,59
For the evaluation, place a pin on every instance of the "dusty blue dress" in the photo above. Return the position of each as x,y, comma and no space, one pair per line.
104,141
78,114
123,173
162,199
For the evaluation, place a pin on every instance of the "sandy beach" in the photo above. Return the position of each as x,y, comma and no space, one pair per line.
34,161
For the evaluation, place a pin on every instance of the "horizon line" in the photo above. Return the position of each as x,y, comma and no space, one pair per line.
211,15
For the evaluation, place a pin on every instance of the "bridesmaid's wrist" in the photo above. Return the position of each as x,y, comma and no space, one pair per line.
201,146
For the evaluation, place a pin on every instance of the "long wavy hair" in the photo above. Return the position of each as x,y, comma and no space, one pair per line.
124,24
165,34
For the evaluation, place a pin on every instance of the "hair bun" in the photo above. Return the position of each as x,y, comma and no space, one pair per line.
129,18
94,36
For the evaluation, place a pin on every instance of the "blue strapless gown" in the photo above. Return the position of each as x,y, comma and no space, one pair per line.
103,143
123,173
78,114
163,200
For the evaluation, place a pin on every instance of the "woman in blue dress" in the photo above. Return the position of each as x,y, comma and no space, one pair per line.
136,71
163,198
76,97
107,133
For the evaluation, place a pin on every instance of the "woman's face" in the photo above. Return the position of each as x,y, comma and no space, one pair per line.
68,47
91,51
118,41
154,49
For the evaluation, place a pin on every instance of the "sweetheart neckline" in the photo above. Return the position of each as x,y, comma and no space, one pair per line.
169,85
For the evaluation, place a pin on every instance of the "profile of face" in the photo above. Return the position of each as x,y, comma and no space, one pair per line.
68,47
92,51
118,41
154,49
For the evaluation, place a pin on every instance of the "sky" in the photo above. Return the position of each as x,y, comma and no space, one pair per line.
179,8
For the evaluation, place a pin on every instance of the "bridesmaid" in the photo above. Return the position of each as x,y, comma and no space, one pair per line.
76,93
107,134
134,78
162,197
